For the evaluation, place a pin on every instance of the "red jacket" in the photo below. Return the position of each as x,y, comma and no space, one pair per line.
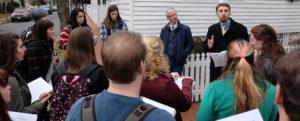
165,91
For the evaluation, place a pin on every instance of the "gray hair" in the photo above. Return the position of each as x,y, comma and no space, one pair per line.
171,8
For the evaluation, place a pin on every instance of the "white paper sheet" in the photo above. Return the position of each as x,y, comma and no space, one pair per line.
37,87
252,115
219,58
17,116
178,82
159,105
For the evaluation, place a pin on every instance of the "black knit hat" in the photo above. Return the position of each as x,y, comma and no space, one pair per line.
38,13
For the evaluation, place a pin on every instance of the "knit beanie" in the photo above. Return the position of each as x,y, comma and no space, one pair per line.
38,13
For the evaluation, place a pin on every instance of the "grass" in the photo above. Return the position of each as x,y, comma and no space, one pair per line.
60,53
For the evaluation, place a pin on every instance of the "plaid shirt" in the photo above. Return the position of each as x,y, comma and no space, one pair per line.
103,31
39,58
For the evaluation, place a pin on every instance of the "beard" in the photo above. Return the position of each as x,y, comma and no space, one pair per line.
224,19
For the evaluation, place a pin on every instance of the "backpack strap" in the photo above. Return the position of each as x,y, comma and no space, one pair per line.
140,112
87,70
61,70
88,108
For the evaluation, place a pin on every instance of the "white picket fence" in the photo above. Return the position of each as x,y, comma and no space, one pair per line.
197,67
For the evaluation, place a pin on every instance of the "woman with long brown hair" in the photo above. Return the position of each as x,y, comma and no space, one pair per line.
39,57
264,39
240,88
4,95
12,51
78,76
112,22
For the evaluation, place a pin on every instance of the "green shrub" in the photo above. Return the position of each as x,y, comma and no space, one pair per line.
36,3
11,6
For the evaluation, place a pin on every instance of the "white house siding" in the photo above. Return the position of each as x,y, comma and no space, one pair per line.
280,14
148,16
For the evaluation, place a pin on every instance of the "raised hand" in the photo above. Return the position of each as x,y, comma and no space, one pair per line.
210,41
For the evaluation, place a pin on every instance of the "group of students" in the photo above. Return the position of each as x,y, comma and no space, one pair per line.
134,66
80,75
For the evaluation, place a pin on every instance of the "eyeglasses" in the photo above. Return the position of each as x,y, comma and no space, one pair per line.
172,15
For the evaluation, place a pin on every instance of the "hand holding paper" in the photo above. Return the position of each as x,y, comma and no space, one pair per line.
38,87
175,75
44,97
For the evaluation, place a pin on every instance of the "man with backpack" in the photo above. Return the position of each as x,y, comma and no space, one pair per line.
37,14
123,59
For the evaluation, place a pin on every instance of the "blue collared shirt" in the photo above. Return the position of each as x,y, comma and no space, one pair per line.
175,26
226,25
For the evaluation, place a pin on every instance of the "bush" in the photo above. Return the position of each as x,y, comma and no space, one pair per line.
11,6
36,3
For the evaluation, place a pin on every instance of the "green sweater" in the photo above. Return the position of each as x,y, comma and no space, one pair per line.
219,99
21,97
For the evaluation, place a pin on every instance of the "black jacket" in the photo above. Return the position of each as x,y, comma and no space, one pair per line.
235,31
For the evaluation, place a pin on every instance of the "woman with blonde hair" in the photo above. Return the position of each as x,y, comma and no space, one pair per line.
159,85
240,89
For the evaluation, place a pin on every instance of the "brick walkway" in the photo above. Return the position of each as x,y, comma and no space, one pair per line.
190,115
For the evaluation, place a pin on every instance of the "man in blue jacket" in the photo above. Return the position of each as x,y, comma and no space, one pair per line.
178,41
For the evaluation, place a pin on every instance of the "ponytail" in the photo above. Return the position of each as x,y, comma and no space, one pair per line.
248,95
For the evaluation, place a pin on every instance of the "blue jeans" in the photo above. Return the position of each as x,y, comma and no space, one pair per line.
177,68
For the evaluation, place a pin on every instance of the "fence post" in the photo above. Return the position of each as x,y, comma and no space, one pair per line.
207,72
202,84
187,67
197,76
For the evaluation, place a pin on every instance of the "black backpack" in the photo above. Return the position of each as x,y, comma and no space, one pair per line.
139,113
26,34
68,90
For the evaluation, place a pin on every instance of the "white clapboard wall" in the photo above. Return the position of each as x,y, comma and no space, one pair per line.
148,16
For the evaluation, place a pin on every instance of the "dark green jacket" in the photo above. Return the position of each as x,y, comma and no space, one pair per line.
21,97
